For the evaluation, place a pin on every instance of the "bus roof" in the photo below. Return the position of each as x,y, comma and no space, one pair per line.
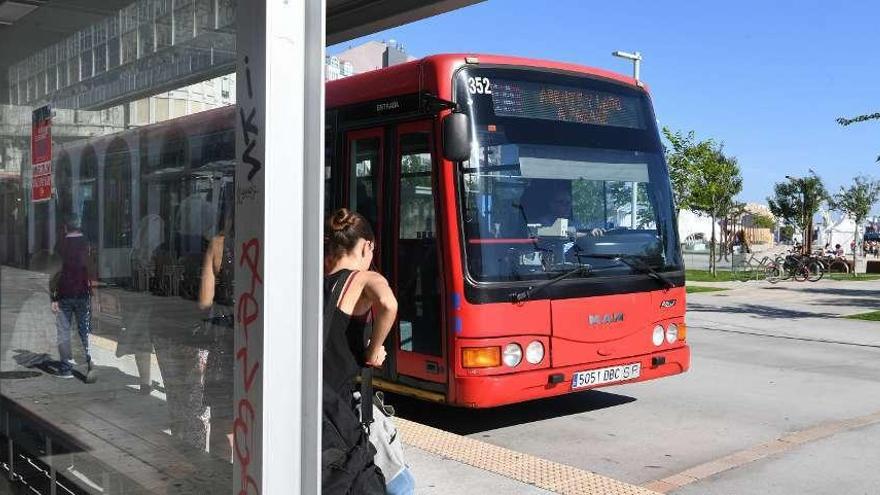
405,78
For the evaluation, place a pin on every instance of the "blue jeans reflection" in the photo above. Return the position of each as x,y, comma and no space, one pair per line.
68,308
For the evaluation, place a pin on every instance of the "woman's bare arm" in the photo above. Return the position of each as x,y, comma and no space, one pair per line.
206,289
384,304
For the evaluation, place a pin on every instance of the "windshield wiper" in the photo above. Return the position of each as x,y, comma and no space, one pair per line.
635,262
525,295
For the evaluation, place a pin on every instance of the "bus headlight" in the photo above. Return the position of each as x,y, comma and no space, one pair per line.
512,355
672,333
658,336
535,352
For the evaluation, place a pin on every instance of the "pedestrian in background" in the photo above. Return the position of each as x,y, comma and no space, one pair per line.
71,294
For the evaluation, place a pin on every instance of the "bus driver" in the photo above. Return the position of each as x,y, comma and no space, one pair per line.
546,200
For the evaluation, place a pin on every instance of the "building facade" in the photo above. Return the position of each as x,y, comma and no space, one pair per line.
365,57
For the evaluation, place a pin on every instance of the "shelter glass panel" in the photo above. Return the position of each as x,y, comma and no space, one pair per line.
116,249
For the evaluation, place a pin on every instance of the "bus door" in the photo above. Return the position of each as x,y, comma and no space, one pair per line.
418,336
363,189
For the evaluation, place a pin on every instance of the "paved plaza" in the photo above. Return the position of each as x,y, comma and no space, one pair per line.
782,397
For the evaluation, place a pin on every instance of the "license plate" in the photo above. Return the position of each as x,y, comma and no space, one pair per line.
602,376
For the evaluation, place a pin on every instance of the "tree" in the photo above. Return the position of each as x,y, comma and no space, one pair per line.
714,185
786,233
684,157
763,221
730,226
856,202
796,201
861,118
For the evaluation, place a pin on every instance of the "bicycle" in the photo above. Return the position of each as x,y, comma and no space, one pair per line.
787,267
835,264
745,269
815,266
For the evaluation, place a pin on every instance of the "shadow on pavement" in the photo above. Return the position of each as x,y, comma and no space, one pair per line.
49,366
831,291
40,361
758,310
855,302
18,375
468,421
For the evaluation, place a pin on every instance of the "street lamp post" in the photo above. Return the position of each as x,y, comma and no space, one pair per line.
636,59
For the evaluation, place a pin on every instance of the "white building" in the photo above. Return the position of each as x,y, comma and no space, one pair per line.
337,68
365,57
695,230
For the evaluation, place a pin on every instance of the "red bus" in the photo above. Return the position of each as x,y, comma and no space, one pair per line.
524,218
522,207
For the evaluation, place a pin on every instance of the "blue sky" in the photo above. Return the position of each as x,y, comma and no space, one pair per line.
766,78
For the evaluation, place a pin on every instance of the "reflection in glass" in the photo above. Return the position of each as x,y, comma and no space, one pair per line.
156,207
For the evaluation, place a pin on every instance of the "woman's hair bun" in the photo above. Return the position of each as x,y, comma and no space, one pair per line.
342,219
343,229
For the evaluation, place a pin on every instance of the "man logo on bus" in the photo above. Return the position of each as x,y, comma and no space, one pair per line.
606,319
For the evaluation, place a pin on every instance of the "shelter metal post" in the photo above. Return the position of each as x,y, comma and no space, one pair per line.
279,210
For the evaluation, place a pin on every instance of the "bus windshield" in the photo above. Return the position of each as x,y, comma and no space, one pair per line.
565,171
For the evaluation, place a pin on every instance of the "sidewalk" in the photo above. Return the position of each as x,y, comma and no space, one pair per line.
444,462
437,475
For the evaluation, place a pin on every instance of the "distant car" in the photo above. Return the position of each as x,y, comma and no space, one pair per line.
872,236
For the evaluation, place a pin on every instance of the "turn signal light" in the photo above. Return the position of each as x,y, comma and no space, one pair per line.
682,332
481,357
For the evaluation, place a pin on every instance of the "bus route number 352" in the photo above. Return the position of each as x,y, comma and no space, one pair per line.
602,376
479,86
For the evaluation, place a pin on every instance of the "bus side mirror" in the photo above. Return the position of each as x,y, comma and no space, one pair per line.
456,137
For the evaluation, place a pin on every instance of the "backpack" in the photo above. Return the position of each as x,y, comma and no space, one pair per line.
384,437
347,456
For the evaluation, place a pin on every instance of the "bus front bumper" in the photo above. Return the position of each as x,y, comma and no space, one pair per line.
498,390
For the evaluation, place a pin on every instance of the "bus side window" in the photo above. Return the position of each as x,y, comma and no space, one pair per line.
417,276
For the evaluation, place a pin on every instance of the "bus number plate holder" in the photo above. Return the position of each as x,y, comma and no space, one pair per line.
602,376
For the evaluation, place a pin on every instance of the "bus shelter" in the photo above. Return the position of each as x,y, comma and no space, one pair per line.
158,130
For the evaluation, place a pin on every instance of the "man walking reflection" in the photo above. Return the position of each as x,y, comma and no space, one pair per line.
71,292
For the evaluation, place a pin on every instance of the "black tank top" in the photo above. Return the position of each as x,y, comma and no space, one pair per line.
224,293
343,336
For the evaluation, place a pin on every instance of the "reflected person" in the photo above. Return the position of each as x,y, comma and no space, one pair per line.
217,293
138,310
71,294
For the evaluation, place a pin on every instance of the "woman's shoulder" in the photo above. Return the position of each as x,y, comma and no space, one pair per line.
370,277
366,280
